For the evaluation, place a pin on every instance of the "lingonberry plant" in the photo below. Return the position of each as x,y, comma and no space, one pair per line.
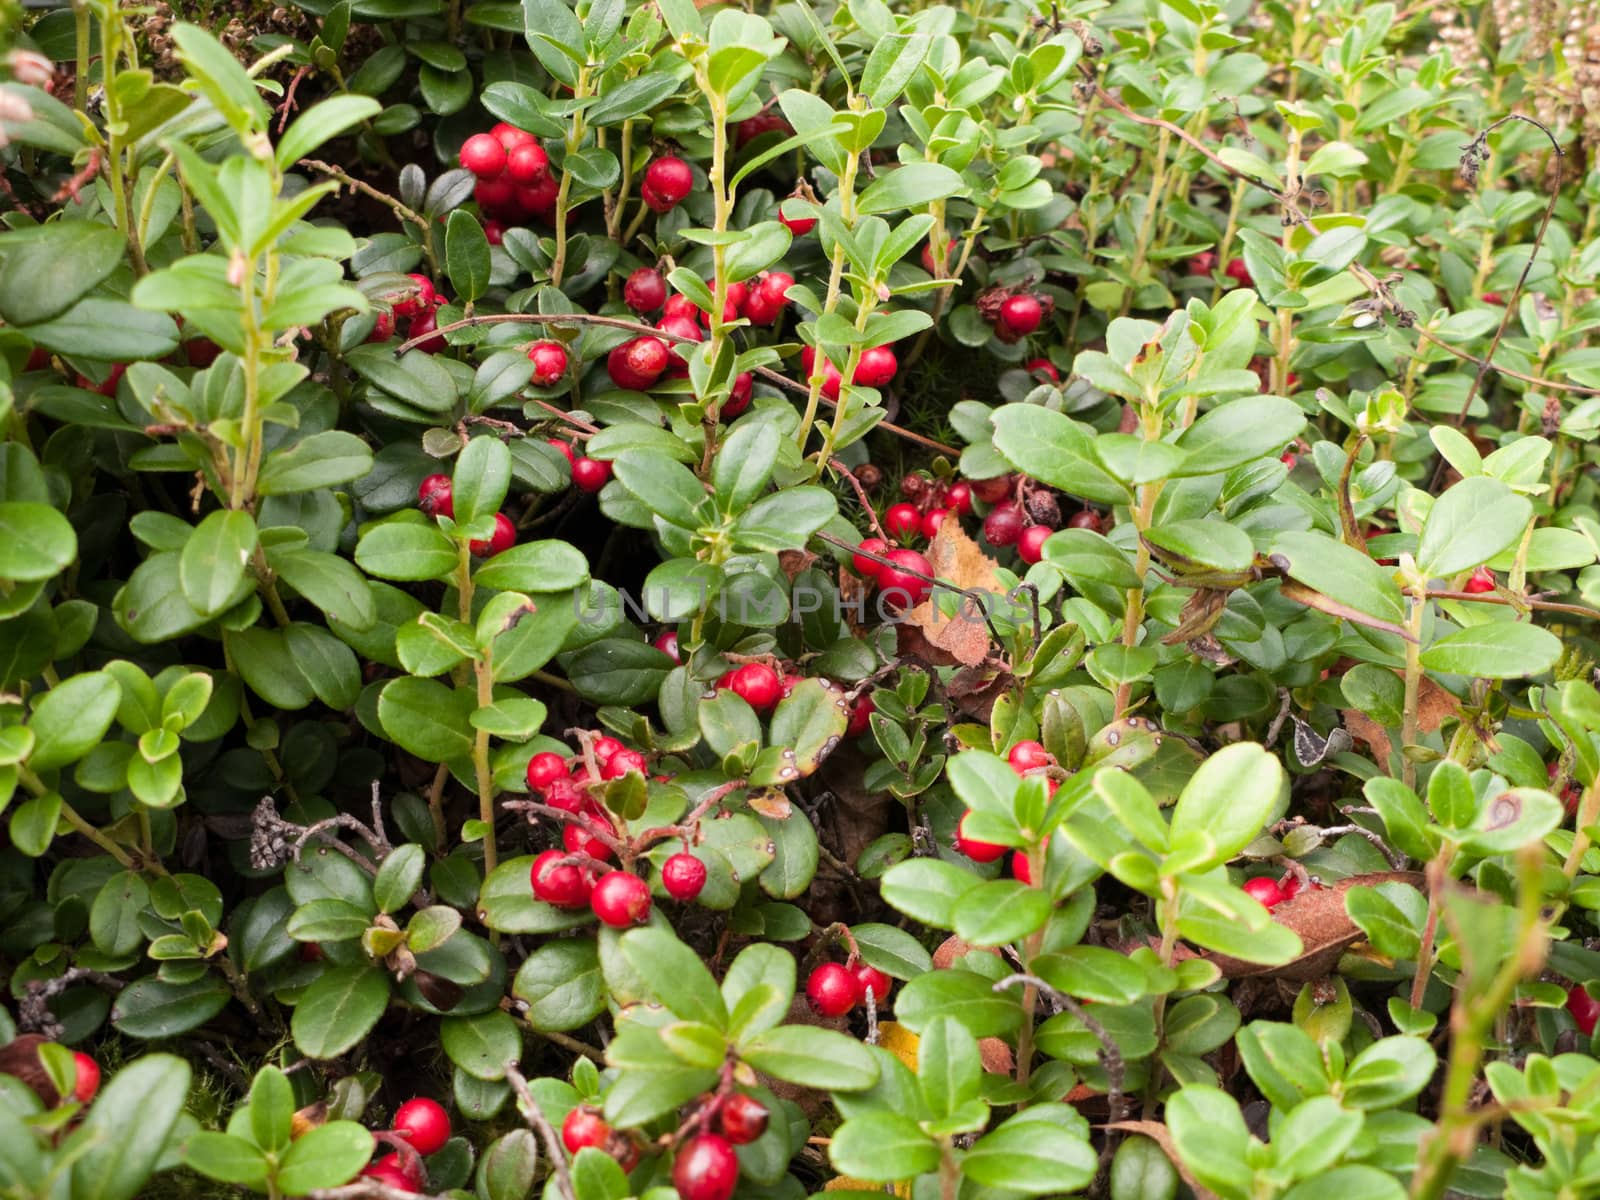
619,597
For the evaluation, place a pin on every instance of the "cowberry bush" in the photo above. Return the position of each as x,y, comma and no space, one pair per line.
981,602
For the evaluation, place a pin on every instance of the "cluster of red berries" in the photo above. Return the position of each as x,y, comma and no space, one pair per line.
1270,893
434,497
426,1127
418,306
902,580
1025,758
514,179
833,989
1205,263
874,369
588,474
907,521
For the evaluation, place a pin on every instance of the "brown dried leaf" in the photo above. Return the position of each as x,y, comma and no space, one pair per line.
792,562
771,802
1157,1133
1364,729
958,559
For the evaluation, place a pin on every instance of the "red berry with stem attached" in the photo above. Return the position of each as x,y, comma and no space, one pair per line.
877,367
683,875
1585,1009
742,1119
527,164
1264,890
669,179
992,491
1028,756
832,991
1030,546
621,899
434,496
706,1168
757,685
667,643
645,291
590,474
1003,526
564,447
864,566
977,851
898,585
86,1080
421,325
1021,314
544,769
425,1123
483,155
502,539
870,979
902,519
563,884
577,839
795,219
959,497
1482,580
583,1128
549,361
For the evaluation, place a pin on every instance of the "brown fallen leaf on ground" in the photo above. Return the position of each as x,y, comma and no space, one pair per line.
959,560
1435,706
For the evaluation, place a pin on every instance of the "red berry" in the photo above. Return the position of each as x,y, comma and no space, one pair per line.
390,1174
540,199
761,309
706,1168
412,1171
566,794
870,979
862,565
494,232
434,496
578,840
679,305
832,991
860,716
757,685
902,519
87,1080
607,748
799,224
564,447
1265,890
1021,314
683,875
738,396
992,491
483,155
1030,546
496,195
1585,1009
1087,519
549,361
667,643
931,521
561,884
382,326
425,1123
584,1127
959,497
645,291
1043,366
201,352
732,304
877,367
623,761
527,164
928,265
510,136
544,769
621,899
1493,298
1239,273
1028,756
898,586
687,329
742,1119
1482,581
983,852
667,180
502,539
1203,263
1021,868
590,474
1003,526
421,325
637,364
775,285
1289,886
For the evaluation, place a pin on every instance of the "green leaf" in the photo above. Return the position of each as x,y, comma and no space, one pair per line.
46,269
271,1109
786,520
676,976
466,249
1389,1072
36,542
811,1057
1045,1149
1092,973
1469,524
910,186
213,560
1340,572
1211,1139
223,81
1053,448
114,916
339,1009
949,1066
126,1131
1238,431
413,377
325,1157
153,1008
542,566
399,876
1496,650
111,330
668,489
323,122
71,718
318,461
482,1045
406,550
883,1147
1232,795
1001,911
562,984
428,719
480,480
927,890
225,1158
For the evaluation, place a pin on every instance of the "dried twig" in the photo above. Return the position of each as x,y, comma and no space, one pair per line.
535,1117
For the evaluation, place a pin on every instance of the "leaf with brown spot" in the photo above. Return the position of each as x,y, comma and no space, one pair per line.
771,802
958,560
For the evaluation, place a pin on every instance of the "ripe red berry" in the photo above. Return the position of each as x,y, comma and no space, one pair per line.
897,585
425,1123
87,1080
832,990
761,309
870,979
959,497
562,884
434,496
1289,886
549,361
390,1174
1043,366
1030,546
1021,868
494,232
621,899
645,291
1021,314
540,199
638,363
502,539
527,164
757,685
1239,273
864,566
584,1127
1264,890
1003,526
421,325
799,224
497,196
666,182
1585,1009
742,1119
667,643
576,839
382,326
1203,263
1482,580
607,748
623,761
1087,519
483,155
590,474
564,447
1028,756
902,519
679,305
931,521
877,367
738,396
685,328
683,875
544,769
1493,298
510,136
977,851
732,305
706,1168
860,716
992,491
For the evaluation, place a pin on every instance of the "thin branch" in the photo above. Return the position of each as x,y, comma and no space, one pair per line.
536,1118
1110,1055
